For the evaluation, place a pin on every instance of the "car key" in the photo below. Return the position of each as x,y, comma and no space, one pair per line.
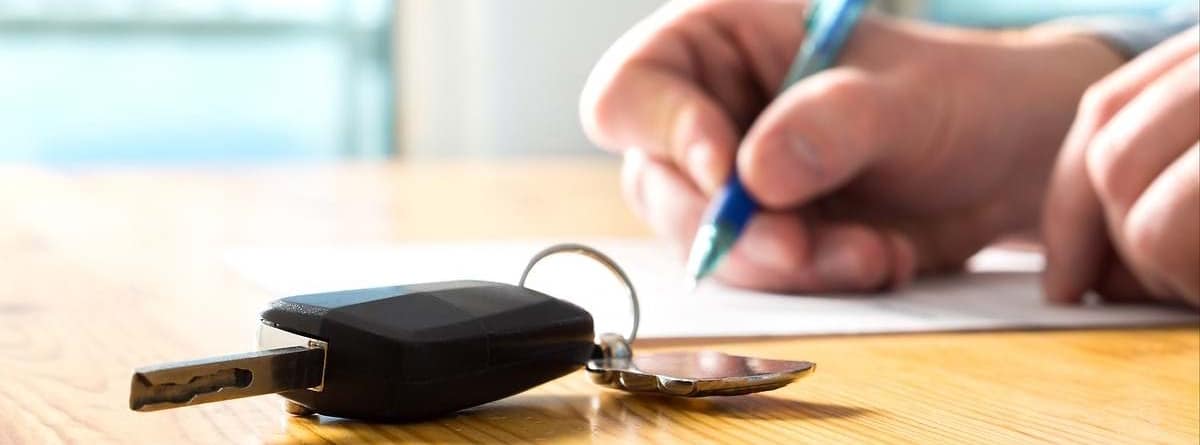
389,353
419,351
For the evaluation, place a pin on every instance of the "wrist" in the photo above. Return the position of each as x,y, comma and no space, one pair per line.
1081,42
1051,67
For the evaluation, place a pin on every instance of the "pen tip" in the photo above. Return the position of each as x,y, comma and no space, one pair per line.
707,249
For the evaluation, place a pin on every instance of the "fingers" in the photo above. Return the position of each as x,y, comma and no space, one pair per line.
779,251
662,197
815,137
1163,227
1135,147
1143,138
1073,227
685,83
1072,219
1117,88
663,115
1117,284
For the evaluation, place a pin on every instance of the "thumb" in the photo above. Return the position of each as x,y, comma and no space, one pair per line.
816,136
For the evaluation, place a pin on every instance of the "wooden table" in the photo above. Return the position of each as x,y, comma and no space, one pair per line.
102,270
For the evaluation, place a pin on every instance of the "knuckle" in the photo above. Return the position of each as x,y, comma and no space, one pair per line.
679,12
1157,234
1099,103
1148,240
790,256
631,180
848,85
1142,238
873,267
768,171
693,8
854,89
598,107
869,268
1103,161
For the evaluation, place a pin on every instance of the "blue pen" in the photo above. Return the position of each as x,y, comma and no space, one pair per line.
829,23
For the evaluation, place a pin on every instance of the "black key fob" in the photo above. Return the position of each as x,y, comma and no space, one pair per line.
424,350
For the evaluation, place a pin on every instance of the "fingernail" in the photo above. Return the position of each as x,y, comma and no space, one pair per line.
803,154
781,167
699,149
1056,289
699,159
839,268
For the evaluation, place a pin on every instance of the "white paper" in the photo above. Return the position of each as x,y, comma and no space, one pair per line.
1000,292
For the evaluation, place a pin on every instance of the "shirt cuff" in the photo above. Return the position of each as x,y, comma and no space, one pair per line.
1134,34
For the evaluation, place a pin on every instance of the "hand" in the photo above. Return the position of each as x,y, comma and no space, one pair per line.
1123,211
922,146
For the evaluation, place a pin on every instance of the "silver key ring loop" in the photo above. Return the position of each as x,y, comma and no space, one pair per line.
599,258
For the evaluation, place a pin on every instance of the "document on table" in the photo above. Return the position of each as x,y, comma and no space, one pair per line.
1000,291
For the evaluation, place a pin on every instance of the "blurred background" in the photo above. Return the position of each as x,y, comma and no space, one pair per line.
160,81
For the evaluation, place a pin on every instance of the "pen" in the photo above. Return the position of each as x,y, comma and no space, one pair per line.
828,24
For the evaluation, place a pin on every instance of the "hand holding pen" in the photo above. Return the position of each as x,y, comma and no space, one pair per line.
828,25
919,147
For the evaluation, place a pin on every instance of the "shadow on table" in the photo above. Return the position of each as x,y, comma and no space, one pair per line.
755,406
541,417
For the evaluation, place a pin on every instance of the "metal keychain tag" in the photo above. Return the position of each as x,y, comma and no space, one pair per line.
680,373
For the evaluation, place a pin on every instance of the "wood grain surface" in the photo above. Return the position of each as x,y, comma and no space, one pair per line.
106,269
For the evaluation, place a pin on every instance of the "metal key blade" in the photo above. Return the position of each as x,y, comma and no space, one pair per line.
214,379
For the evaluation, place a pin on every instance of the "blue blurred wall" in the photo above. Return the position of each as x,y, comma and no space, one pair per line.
1024,12
89,81
309,80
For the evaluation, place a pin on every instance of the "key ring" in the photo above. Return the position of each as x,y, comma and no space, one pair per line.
599,258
